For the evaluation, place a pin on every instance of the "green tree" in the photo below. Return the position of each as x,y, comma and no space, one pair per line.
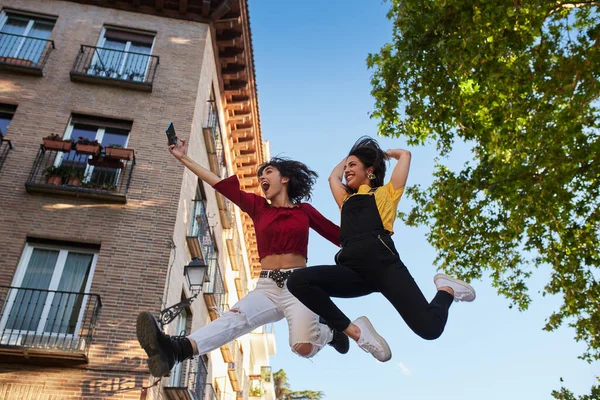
518,82
283,391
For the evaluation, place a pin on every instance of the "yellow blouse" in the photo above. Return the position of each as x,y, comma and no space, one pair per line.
386,198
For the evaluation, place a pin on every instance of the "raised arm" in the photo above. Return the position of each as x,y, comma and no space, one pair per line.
336,183
179,152
400,172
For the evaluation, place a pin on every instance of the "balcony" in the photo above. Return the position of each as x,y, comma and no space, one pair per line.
48,327
188,382
215,293
5,147
235,368
115,67
24,54
73,174
234,249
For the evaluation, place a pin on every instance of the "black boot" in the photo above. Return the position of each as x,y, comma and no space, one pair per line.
340,340
163,351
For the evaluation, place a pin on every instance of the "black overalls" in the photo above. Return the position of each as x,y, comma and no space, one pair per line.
368,262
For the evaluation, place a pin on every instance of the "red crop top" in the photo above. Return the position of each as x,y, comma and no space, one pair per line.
279,230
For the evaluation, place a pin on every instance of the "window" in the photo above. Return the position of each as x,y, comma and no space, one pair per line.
177,374
6,114
107,132
122,54
49,302
24,36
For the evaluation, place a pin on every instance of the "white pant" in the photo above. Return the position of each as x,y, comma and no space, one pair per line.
267,303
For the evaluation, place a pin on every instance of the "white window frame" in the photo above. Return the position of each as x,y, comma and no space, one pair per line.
15,338
89,169
4,18
102,41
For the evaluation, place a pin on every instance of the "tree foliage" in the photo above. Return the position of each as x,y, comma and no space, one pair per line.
518,82
283,391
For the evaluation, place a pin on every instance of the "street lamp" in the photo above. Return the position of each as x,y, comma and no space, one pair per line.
195,273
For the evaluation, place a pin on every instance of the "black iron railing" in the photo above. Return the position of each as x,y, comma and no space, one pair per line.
216,138
80,174
115,65
5,147
24,51
50,320
190,379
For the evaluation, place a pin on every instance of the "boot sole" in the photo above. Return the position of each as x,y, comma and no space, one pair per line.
147,335
458,282
379,338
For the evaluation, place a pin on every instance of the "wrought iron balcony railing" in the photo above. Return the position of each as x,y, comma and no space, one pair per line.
214,142
235,368
189,382
5,147
24,53
215,294
38,321
80,175
124,68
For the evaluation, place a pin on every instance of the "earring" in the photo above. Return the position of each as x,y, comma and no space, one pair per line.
371,176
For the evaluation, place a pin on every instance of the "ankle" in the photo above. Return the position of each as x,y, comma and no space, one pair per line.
194,346
353,331
447,289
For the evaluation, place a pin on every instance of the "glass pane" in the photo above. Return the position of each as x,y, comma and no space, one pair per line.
34,44
74,160
5,119
177,374
137,62
108,59
26,309
66,306
115,136
10,35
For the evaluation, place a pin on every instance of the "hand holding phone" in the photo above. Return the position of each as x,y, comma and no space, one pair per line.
171,135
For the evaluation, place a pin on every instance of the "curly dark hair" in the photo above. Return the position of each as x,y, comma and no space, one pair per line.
367,150
301,178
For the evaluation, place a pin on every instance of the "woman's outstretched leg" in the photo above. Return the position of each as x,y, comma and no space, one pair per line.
164,351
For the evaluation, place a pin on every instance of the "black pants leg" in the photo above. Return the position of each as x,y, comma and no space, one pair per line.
315,286
381,270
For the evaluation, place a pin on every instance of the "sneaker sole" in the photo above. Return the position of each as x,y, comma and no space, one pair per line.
458,282
146,331
379,338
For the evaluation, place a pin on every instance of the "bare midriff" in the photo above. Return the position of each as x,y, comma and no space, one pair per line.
283,261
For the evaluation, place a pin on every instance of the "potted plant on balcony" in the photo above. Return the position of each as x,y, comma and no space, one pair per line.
54,175
74,176
87,146
57,143
118,152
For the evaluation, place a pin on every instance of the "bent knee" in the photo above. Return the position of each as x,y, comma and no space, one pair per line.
305,350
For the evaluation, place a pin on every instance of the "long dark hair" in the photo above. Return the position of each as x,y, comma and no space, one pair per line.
301,178
367,150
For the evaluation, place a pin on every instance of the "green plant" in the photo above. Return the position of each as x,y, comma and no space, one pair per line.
53,136
116,146
109,186
256,392
83,140
55,171
74,173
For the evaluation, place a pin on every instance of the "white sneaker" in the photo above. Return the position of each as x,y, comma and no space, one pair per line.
462,290
371,342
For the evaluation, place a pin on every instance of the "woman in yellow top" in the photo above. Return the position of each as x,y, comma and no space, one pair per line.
368,261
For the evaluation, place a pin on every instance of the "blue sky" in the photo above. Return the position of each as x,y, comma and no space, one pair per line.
314,98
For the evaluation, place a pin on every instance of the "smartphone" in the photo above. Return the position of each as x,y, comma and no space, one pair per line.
171,136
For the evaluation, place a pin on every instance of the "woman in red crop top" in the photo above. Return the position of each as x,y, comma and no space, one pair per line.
368,261
281,222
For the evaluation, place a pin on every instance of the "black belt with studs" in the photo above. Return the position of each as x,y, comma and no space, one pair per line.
277,275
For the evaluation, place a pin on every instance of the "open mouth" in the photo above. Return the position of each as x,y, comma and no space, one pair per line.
348,177
265,186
